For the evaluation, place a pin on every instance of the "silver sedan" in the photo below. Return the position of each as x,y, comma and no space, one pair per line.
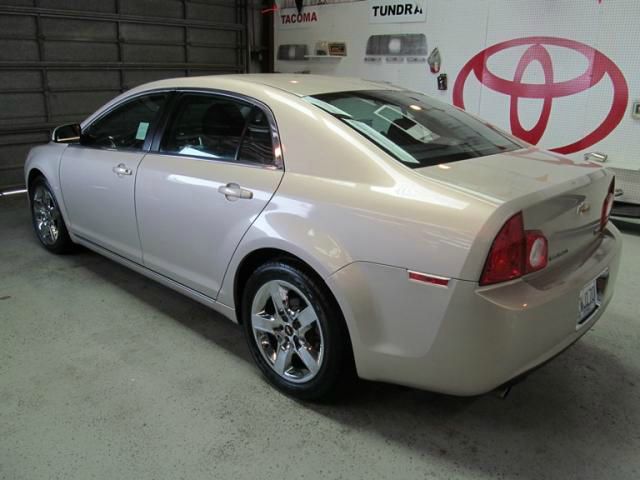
350,227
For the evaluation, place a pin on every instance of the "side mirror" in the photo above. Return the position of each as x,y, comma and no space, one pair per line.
69,133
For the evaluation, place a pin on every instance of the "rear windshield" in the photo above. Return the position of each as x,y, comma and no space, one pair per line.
415,129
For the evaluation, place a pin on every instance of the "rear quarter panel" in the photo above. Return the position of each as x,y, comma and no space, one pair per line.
343,200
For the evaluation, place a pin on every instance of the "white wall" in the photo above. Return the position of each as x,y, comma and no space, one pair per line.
462,28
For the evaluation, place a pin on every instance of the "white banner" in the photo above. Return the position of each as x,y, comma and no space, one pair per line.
397,11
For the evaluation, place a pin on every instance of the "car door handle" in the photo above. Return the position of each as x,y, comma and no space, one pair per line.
121,170
233,191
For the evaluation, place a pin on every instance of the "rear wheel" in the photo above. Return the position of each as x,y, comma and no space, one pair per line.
296,332
47,219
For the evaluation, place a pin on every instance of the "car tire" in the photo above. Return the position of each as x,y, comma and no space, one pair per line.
46,218
306,326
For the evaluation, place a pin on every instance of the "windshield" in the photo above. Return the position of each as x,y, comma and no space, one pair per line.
415,129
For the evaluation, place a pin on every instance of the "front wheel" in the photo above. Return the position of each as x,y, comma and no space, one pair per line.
47,219
296,332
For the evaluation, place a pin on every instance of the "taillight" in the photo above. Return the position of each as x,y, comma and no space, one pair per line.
514,252
607,205
506,258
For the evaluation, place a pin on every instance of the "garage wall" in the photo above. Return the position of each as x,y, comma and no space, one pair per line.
61,59
580,86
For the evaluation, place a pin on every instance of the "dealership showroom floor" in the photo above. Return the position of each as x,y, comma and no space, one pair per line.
105,374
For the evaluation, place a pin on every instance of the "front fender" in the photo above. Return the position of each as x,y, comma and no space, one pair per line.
46,159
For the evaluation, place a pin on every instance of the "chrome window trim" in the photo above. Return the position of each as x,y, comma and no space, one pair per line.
216,160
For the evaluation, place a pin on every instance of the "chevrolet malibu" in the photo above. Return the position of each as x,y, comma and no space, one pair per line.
348,226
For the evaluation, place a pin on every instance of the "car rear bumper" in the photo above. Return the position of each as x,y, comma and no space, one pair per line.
464,339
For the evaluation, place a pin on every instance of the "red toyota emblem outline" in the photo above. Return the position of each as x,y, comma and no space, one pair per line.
599,65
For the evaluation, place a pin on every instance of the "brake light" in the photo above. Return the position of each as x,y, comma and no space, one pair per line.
514,252
506,258
607,205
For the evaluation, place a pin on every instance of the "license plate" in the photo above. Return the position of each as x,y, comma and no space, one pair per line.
587,302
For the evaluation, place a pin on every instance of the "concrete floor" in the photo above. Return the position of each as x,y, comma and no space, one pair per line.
104,374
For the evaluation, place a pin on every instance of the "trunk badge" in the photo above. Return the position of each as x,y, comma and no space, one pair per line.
584,207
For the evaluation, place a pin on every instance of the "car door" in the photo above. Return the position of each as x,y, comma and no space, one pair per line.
98,175
214,172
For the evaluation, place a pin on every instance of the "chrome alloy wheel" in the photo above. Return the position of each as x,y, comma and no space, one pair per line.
46,216
287,331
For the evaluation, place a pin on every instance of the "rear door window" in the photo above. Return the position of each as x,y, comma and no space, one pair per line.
219,128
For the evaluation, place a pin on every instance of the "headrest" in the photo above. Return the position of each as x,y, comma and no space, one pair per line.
223,119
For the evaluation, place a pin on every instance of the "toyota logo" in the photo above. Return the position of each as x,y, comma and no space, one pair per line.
598,66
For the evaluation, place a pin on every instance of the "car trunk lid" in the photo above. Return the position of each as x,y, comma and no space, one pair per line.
558,196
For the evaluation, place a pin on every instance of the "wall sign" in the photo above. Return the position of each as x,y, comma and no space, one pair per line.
397,11
598,67
396,48
292,18
292,51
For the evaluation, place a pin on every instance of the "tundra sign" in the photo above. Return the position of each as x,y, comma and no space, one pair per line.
389,11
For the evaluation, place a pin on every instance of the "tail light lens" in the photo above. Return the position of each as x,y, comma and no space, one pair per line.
506,258
607,205
514,252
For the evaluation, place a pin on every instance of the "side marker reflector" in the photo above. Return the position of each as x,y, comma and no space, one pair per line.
424,278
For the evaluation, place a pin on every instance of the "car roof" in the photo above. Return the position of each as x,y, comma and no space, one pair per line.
297,84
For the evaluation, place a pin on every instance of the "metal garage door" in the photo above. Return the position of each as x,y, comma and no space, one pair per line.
61,59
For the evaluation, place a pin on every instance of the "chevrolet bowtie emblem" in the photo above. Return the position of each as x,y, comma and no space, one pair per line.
584,207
